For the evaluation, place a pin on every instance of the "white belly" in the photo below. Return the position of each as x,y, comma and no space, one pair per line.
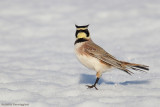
87,61
91,62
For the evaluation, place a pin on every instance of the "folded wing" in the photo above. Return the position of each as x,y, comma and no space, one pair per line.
99,53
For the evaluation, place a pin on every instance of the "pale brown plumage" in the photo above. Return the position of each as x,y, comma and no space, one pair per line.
96,58
96,51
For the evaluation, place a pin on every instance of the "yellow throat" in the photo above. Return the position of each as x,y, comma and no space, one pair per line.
82,35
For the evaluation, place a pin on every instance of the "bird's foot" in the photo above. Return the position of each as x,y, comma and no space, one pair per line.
92,86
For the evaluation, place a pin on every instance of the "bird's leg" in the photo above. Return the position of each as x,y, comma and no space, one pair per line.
98,75
94,85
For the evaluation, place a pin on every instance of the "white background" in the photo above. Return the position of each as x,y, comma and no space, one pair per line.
37,62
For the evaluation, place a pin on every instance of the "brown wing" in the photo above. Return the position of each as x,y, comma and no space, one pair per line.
101,54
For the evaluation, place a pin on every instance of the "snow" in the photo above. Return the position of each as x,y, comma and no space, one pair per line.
38,67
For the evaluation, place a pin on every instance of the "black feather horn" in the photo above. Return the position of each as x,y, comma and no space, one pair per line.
81,26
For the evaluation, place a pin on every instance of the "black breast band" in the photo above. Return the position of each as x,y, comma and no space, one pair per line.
80,40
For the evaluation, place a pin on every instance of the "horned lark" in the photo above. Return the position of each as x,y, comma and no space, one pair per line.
94,57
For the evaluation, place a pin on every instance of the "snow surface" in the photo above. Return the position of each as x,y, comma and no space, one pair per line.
37,62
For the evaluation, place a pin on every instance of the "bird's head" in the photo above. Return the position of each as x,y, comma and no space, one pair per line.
82,32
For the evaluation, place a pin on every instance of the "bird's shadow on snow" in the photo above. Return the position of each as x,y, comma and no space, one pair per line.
90,79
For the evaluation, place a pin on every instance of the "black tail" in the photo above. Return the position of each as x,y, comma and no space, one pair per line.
137,67
140,68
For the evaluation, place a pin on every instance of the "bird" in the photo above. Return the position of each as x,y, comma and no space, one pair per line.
96,58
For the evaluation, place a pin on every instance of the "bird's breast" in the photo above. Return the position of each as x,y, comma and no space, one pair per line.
83,57
87,60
